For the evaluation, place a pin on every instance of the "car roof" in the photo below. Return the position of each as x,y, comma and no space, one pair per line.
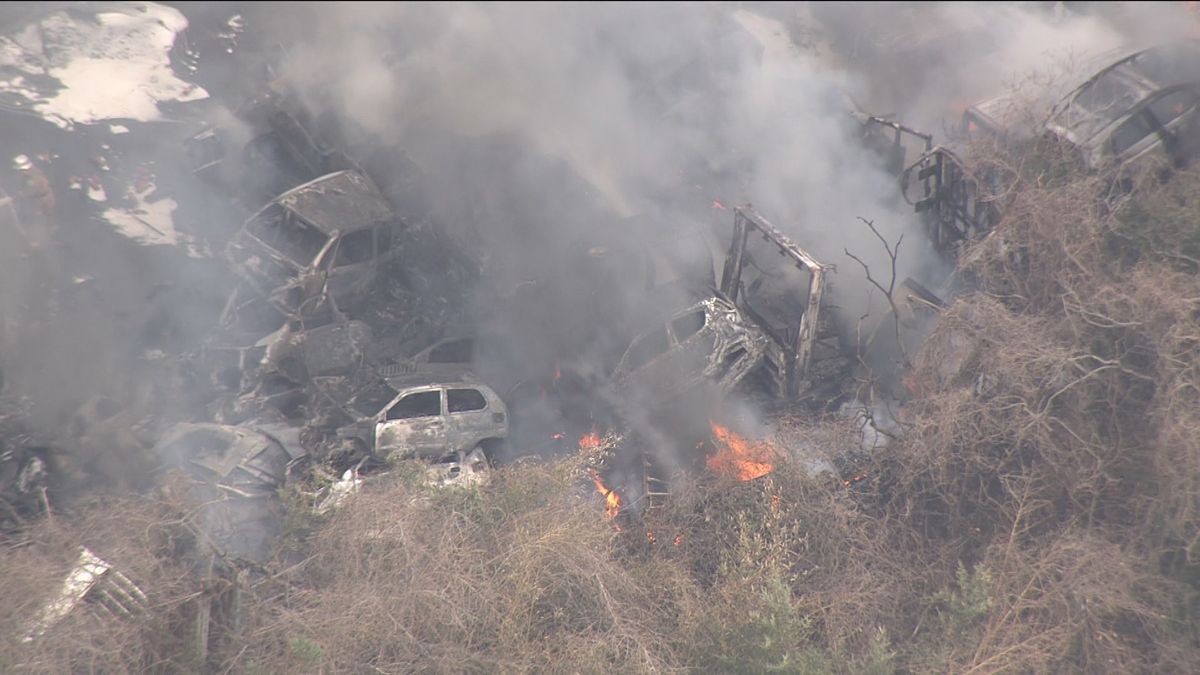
1083,127
342,201
1004,112
401,383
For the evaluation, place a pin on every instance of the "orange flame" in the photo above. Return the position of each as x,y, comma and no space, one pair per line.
612,501
650,537
739,458
557,437
854,479
679,540
718,205
589,441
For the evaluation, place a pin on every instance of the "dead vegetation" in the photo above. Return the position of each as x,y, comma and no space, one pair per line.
139,535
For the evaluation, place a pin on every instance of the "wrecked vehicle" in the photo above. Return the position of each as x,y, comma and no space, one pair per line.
1141,105
709,342
448,358
325,350
236,473
320,241
426,419
291,142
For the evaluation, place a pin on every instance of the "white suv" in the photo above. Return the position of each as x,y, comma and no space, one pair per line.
438,421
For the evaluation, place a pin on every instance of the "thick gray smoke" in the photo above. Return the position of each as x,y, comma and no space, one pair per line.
656,108
541,126
925,62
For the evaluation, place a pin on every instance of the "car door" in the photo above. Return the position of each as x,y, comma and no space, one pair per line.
349,265
413,425
470,418
1160,126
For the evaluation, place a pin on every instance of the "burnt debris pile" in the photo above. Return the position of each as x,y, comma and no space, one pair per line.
363,331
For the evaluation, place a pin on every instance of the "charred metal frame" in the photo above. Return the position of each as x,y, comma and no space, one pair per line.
954,207
790,359
956,210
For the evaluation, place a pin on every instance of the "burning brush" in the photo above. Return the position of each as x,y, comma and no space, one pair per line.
594,450
612,501
739,458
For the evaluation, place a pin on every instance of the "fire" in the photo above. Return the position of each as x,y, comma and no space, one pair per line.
589,441
650,537
679,540
854,479
557,373
612,501
557,437
718,205
739,458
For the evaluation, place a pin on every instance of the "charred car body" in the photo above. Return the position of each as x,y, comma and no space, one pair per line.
320,241
708,342
236,473
1141,104
425,419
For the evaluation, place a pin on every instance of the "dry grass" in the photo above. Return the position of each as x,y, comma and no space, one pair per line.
138,536
520,576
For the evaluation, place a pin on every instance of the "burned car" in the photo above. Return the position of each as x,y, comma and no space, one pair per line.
235,472
321,240
448,358
426,419
1141,104
707,343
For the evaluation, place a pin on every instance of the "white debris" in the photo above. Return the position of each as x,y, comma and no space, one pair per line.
150,223
114,65
95,191
22,163
338,492
118,129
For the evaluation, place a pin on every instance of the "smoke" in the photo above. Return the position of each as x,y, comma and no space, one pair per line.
925,62
543,126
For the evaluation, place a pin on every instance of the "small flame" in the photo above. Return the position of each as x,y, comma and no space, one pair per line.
612,501
557,373
557,437
718,205
854,479
650,537
739,458
589,441
679,540
775,500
